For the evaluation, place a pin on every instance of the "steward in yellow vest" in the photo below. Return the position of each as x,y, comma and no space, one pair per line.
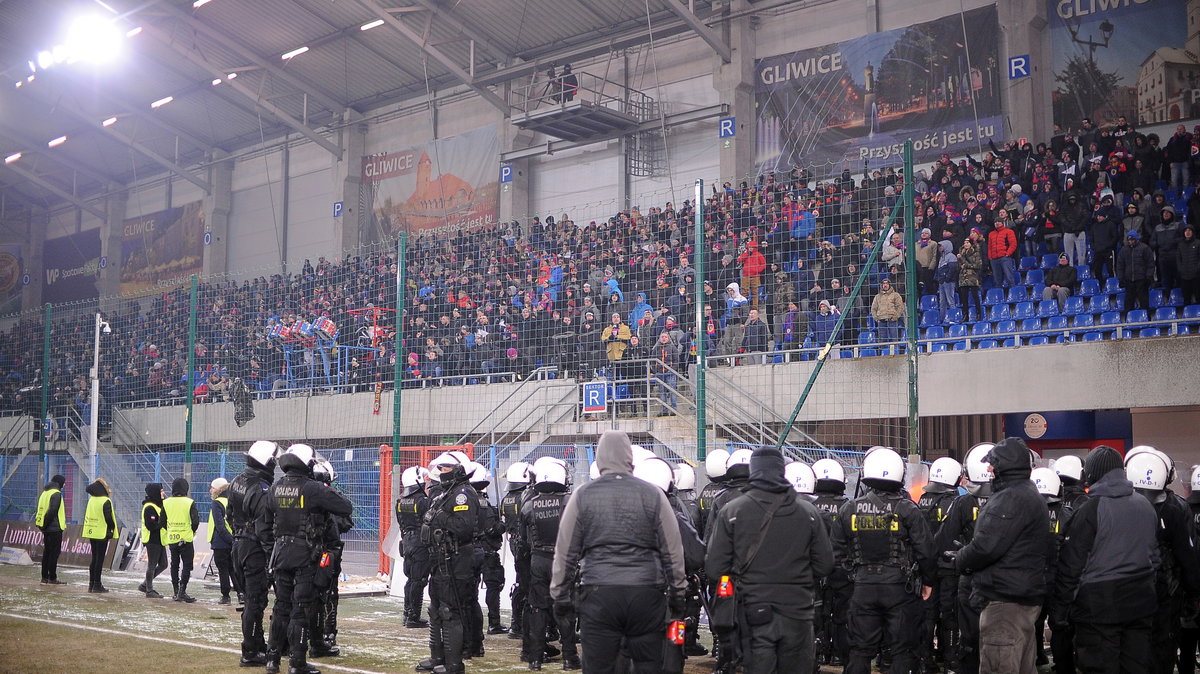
220,537
154,537
52,520
99,526
182,522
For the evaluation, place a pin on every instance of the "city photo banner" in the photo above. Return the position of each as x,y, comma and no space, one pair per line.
856,102
161,250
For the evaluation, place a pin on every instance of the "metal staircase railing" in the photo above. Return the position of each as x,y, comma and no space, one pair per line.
521,418
126,473
12,434
767,417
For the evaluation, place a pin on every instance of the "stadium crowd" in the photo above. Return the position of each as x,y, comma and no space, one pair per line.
781,259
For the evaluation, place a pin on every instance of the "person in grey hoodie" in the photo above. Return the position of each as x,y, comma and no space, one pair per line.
1105,584
624,538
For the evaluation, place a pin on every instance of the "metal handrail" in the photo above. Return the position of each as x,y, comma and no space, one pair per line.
487,418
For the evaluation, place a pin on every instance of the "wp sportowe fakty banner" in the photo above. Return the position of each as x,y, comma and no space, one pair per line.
440,186
847,103
71,267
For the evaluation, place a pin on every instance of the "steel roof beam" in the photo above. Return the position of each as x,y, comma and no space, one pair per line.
707,34
437,54
38,149
195,57
51,187
465,28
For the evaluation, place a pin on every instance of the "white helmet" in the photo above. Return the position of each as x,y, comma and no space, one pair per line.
685,476
1070,466
1046,481
545,460
550,471
714,463
978,470
323,470
641,454
740,457
480,473
1142,449
303,452
450,459
1196,478
828,469
517,474
945,471
594,471
263,452
801,477
413,476
1148,470
655,471
883,463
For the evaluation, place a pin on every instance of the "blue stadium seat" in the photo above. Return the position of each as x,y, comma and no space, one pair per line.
1034,276
931,317
1138,316
935,332
1056,324
865,337
1089,288
993,296
1112,285
1031,325
929,302
1191,312
1156,298
960,346
1049,260
1164,314
954,315
1093,337
1038,340
972,314
989,344
981,329
1083,272
1018,293
1006,326
1047,308
1176,298
999,312
957,331
1024,310
1098,304
1150,332
1073,306
1028,262
868,353
938,346
1035,290
1110,318
1010,342
1083,322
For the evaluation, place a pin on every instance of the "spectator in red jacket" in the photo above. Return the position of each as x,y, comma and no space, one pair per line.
1002,244
753,265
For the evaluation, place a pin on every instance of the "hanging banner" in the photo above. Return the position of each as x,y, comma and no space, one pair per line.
71,267
1130,59
161,250
852,103
441,186
12,268
76,550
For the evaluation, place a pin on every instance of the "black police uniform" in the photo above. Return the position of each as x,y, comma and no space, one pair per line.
1176,577
1189,631
510,518
246,513
684,504
297,509
323,629
539,521
410,514
449,533
884,541
704,502
492,539
1061,640
733,486
829,624
489,536
956,531
941,609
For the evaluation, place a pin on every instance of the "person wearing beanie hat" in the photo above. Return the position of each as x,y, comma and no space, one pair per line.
154,537
1164,241
1189,266
51,519
220,536
1105,577
182,522
1060,281
927,261
775,548
1007,559
1135,271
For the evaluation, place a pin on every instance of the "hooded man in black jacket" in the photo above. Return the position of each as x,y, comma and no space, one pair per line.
1105,582
154,537
52,520
1007,556
775,548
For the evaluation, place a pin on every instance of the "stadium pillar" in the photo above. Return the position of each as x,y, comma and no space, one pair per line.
734,82
1026,100
193,300
216,207
37,225
514,194
348,228
911,300
110,247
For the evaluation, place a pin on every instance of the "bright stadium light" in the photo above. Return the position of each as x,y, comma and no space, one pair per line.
92,39
45,59
161,102
216,81
133,32
57,141
231,76
372,24
200,3
109,122
12,157
293,53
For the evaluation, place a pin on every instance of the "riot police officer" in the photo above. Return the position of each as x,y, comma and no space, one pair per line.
736,478
449,532
1069,469
714,468
323,630
1189,631
956,531
941,609
1049,485
539,530
685,490
884,541
830,493
517,479
246,513
410,513
489,538
297,509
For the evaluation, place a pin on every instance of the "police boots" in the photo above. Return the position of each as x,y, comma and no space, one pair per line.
412,616
299,666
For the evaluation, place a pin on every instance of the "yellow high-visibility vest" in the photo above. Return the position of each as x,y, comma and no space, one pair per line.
179,519
44,506
94,525
224,520
162,535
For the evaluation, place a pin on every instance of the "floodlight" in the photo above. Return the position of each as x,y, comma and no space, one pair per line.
92,39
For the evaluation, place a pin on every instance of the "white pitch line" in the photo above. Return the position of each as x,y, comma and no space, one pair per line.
175,642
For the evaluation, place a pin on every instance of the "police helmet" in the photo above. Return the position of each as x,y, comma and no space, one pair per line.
550,472
517,475
685,476
450,466
883,464
1140,449
801,477
641,454
263,452
1195,479
305,453
413,476
945,471
740,457
979,471
714,463
1148,470
828,469
480,476
323,470
655,471
1046,481
1069,466
594,471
